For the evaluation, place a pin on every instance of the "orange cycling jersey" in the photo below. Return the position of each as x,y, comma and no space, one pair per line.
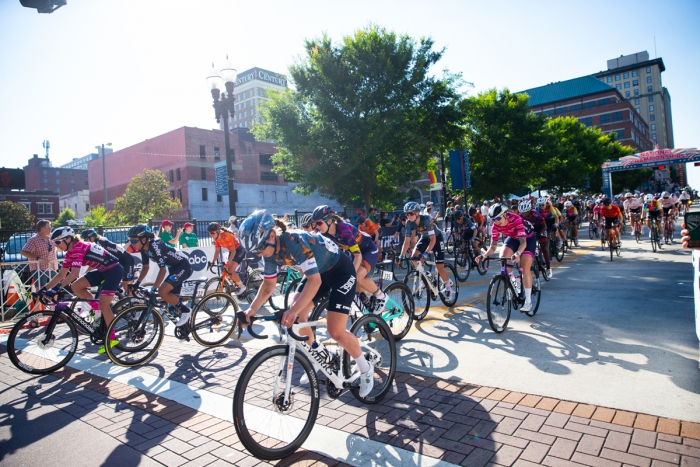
368,227
227,240
611,212
478,218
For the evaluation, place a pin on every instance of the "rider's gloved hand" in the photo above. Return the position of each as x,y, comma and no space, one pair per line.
153,289
425,255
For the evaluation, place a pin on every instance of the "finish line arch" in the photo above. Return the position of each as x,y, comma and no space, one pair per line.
646,159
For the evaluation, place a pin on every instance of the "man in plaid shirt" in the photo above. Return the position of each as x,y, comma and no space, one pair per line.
39,248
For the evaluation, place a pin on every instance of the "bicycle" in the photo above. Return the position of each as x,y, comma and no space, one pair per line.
669,229
593,231
637,223
425,286
505,292
212,323
465,261
570,239
274,413
222,282
654,235
613,242
540,263
554,250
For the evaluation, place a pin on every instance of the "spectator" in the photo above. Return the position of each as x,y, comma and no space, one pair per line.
485,208
165,234
384,220
188,239
39,248
373,215
233,225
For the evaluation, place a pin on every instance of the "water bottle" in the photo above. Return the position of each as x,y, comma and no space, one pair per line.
516,282
97,321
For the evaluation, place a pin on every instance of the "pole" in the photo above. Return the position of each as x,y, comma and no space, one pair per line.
230,174
104,176
443,180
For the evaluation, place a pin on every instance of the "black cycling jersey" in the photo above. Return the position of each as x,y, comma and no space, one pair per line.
113,248
162,254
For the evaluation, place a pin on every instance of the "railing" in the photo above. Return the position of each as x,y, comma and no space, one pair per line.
16,287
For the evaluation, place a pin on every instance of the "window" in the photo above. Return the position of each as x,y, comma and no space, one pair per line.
635,82
637,109
46,172
262,196
549,112
617,77
648,79
649,89
58,181
58,190
606,101
58,172
652,117
260,93
620,134
627,94
653,136
219,198
205,194
636,92
635,73
265,159
202,152
609,79
26,205
651,108
618,86
561,110
177,174
625,75
172,194
617,116
269,176
286,196
274,196
217,153
589,105
45,208
651,98
203,173
588,121
627,84
653,127
87,206
605,118
179,195
648,69
172,177
575,107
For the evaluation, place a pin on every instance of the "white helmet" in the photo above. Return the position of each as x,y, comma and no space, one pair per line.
665,194
649,198
497,210
568,204
628,195
542,201
525,205
62,232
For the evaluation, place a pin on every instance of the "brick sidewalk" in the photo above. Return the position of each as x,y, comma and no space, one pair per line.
453,421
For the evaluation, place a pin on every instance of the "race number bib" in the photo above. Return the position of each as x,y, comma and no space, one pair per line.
97,249
330,245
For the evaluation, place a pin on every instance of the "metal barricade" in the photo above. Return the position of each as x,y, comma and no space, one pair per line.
17,283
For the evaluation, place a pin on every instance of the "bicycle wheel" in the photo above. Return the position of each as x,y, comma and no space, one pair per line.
140,334
611,247
377,345
399,309
591,229
88,316
542,265
270,424
536,292
498,303
33,351
618,249
450,299
252,284
654,236
462,265
482,267
558,253
216,285
214,319
449,244
420,293
291,290
320,312
638,235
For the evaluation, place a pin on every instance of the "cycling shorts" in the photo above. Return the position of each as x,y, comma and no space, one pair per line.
467,235
611,222
422,245
370,258
666,210
636,210
127,262
654,215
109,279
237,255
178,274
571,219
530,245
340,280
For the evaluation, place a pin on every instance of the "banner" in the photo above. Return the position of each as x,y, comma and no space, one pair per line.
220,178
456,171
433,178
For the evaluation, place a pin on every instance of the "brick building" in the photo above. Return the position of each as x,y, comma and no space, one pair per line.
593,103
40,175
43,204
187,156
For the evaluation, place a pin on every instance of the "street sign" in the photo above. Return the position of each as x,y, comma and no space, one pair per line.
467,171
220,178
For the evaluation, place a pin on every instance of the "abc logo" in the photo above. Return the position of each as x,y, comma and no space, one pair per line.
198,259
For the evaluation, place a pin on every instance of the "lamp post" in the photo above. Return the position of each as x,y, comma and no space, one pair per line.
104,175
225,106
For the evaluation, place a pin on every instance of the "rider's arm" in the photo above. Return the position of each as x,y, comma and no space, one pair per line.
407,242
58,278
313,283
264,293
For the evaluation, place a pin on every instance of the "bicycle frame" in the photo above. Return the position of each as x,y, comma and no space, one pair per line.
419,267
394,310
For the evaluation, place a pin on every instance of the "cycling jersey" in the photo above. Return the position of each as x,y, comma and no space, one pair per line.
516,227
634,203
423,226
162,254
91,255
654,206
549,213
571,212
227,240
113,248
537,221
478,218
611,212
312,253
368,227
667,203
596,210
348,238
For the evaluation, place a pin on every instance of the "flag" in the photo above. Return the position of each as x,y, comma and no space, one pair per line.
432,176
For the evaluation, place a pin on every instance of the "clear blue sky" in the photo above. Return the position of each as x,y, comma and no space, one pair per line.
122,71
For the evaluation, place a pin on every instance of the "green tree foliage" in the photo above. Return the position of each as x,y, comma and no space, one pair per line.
147,196
98,216
507,143
15,216
64,216
365,117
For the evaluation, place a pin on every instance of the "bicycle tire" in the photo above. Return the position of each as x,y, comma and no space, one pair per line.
463,270
558,253
252,285
214,284
451,275
217,313
498,300
90,318
320,312
536,293
542,264
291,289
130,327
482,267
449,244
420,293
377,345
610,246
637,236
30,343
400,325
591,228
653,239
273,416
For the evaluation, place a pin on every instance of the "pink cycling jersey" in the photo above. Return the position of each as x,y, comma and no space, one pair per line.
515,228
89,254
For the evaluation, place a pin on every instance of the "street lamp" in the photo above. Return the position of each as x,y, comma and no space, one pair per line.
104,176
225,106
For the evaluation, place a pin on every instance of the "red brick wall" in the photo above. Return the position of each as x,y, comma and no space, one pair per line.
34,177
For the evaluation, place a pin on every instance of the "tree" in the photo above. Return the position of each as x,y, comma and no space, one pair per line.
146,196
64,216
98,216
507,143
15,216
365,116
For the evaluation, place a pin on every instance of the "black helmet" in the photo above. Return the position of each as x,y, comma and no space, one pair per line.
306,220
458,214
607,201
214,227
87,233
472,211
140,231
322,213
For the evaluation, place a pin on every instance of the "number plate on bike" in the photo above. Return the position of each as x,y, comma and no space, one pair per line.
387,275
187,289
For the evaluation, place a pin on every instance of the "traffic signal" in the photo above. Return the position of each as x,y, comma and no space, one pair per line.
12,179
660,167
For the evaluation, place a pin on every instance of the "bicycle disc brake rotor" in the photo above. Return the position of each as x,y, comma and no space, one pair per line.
279,404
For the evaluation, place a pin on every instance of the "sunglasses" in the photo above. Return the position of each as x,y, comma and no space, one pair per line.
319,223
410,214
212,233
55,242
496,219
133,241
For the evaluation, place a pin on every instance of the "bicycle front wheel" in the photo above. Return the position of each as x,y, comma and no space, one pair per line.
536,291
139,331
399,309
34,350
291,290
654,239
482,267
420,293
450,244
271,422
377,345
462,265
558,252
498,303
449,298
214,319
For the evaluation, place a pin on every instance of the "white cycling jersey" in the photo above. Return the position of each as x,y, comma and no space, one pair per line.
668,202
634,203
683,197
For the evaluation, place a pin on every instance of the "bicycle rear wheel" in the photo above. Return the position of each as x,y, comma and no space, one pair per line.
536,291
498,303
399,310
214,319
462,265
450,299
139,331
33,351
377,345
271,423
420,293
450,244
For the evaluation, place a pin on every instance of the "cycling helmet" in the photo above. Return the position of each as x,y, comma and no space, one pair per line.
597,201
232,219
486,202
187,224
541,201
62,232
628,195
665,194
87,233
214,227
360,220
255,230
306,220
648,198
497,210
411,206
525,205
322,213
166,223
140,231
472,211
607,201
458,214
590,202
568,204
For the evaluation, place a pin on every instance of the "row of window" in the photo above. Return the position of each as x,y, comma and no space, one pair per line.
626,75
219,198
273,196
604,118
42,208
58,173
203,152
586,105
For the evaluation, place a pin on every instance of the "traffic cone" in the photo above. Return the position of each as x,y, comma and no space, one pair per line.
12,295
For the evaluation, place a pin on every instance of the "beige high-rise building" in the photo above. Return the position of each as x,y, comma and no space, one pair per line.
250,88
638,79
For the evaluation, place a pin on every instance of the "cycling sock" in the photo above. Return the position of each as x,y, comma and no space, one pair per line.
362,364
378,293
528,294
113,335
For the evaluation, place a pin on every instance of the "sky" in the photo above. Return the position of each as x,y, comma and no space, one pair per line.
123,71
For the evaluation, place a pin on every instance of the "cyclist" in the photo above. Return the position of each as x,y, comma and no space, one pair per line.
538,223
613,217
105,272
633,208
363,249
669,205
419,225
223,237
370,228
589,209
653,209
479,220
125,259
307,224
571,214
170,261
551,216
326,271
467,229
520,244
684,199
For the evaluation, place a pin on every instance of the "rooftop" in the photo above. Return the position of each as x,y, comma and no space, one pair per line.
563,90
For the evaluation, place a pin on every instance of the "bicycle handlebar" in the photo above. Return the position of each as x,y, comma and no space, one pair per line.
277,316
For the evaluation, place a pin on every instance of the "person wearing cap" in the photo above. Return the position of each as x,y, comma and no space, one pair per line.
188,239
165,234
233,225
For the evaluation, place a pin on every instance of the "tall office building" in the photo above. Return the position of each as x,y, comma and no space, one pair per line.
250,89
638,80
